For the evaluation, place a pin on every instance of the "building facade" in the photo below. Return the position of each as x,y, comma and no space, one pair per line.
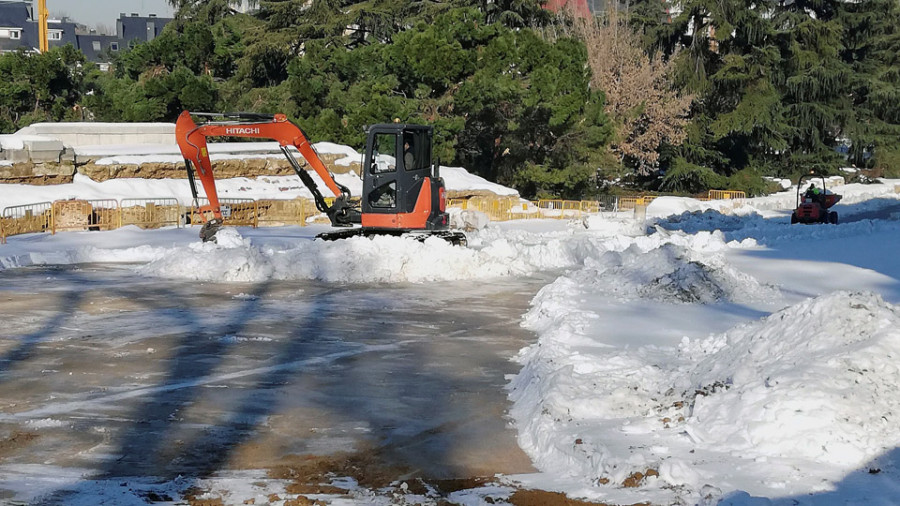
19,30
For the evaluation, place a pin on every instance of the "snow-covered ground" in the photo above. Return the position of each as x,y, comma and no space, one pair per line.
713,354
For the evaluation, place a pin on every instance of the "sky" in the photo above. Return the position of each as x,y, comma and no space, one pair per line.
98,12
712,353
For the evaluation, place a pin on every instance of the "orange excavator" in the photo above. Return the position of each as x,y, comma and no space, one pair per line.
402,191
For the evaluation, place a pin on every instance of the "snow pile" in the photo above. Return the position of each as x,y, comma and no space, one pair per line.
83,254
769,231
268,187
383,259
467,219
458,178
809,387
814,381
670,273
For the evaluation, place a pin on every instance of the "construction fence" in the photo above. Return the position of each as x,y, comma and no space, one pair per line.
149,213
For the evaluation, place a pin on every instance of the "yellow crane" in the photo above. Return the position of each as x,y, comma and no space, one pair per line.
43,15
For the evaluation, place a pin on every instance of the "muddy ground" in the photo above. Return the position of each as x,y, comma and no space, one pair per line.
399,387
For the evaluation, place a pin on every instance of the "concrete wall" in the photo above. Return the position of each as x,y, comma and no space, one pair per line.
92,134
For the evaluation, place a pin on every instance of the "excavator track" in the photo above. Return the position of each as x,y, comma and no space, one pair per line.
454,238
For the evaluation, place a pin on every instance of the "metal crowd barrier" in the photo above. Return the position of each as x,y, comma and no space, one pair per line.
26,219
629,203
726,195
70,215
156,212
273,213
150,212
235,212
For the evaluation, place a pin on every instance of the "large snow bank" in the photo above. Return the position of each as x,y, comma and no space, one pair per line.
267,187
807,388
495,253
808,382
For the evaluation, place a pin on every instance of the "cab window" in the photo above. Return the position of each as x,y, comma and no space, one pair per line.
383,156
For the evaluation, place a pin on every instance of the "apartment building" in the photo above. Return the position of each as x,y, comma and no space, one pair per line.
19,30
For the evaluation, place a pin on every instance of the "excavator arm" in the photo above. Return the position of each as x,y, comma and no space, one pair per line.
191,140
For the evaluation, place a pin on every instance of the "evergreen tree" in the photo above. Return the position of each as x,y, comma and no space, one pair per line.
816,87
774,88
500,98
872,49
40,87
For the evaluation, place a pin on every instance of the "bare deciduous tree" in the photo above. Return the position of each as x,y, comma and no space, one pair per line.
640,96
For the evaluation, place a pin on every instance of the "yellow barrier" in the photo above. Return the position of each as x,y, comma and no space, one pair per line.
560,209
26,219
156,212
513,208
628,203
464,203
235,212
70,215
726,195
150,213
497,209
105,215
273,213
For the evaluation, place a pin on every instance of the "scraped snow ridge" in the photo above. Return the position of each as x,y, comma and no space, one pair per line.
377,259
493,252
815,375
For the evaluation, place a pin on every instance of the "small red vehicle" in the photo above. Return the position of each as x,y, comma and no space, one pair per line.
812,206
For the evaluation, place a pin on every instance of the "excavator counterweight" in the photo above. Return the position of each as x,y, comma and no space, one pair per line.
403,193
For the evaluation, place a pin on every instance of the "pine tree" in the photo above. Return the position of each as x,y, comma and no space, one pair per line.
773,84
816,87
872,49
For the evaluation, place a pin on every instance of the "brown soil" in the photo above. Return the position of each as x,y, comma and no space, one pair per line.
16,442
311,474
637,478
544,498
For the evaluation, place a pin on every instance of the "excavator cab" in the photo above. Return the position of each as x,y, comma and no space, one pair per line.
401,187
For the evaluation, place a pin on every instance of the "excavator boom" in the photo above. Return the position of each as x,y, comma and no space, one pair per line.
192,142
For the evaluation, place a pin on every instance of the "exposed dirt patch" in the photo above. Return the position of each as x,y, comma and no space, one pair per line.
313,475
303,501
544,498
315,472
635,479
194,497
16,442
450,486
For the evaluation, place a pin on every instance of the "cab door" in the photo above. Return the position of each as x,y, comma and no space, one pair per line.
380,180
